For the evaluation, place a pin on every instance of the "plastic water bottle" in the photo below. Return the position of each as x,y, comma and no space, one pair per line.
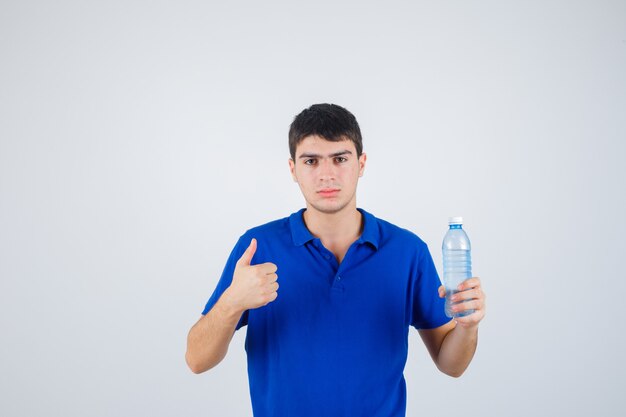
457,262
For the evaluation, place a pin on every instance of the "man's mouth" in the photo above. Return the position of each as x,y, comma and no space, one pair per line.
328,192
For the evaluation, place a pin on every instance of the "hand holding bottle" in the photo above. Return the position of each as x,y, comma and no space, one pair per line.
469,297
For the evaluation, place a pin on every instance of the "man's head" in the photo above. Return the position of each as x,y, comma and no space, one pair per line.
327,157
328,121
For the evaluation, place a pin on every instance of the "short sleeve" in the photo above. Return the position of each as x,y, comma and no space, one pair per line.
428,308
227,278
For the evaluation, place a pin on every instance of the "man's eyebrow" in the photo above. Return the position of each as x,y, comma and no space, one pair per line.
332,155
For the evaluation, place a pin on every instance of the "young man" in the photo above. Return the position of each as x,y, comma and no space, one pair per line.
333,340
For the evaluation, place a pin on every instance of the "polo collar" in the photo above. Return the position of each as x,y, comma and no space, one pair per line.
299,232
371,229
302,235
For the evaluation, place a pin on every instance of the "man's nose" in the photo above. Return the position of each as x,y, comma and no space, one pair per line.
327,170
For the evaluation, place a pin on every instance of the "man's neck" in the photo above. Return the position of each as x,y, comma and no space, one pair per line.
342,226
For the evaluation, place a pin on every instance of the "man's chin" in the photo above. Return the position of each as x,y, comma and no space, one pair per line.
329,207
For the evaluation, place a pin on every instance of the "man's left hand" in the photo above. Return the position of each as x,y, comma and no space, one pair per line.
469,297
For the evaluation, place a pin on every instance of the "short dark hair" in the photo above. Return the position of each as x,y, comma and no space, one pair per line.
330,121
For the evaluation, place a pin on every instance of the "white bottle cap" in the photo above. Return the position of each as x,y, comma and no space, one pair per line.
455,220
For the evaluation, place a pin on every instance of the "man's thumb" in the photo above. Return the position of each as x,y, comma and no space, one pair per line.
442,291
246,258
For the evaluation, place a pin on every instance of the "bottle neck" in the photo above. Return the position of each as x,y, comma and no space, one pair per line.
456,226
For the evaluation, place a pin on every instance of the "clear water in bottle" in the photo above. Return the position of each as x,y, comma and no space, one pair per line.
457,262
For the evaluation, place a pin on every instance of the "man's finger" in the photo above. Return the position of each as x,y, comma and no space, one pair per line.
246,258
469,283
467,305
267,268
467,295
442,291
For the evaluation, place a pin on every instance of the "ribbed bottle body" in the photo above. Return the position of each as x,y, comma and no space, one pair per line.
457,264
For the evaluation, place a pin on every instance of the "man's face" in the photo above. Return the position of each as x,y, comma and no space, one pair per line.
327,173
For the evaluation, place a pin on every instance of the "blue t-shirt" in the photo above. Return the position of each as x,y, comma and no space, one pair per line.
335,341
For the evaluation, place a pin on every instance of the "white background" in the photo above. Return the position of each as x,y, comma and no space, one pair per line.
139,140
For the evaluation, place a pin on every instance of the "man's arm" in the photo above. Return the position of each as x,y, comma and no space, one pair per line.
452,345
208,339
252,286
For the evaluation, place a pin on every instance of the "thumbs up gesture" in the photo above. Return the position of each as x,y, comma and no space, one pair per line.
253,286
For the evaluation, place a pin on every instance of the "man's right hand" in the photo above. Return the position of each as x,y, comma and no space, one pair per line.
253,286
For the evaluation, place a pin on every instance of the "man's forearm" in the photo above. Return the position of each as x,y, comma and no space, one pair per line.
457,350
208,339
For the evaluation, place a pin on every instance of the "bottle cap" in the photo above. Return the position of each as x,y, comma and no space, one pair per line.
455,220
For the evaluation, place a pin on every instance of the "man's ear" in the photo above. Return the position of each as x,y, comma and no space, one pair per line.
292,169
362,160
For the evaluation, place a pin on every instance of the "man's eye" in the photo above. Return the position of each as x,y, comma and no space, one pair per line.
309,161
341,159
